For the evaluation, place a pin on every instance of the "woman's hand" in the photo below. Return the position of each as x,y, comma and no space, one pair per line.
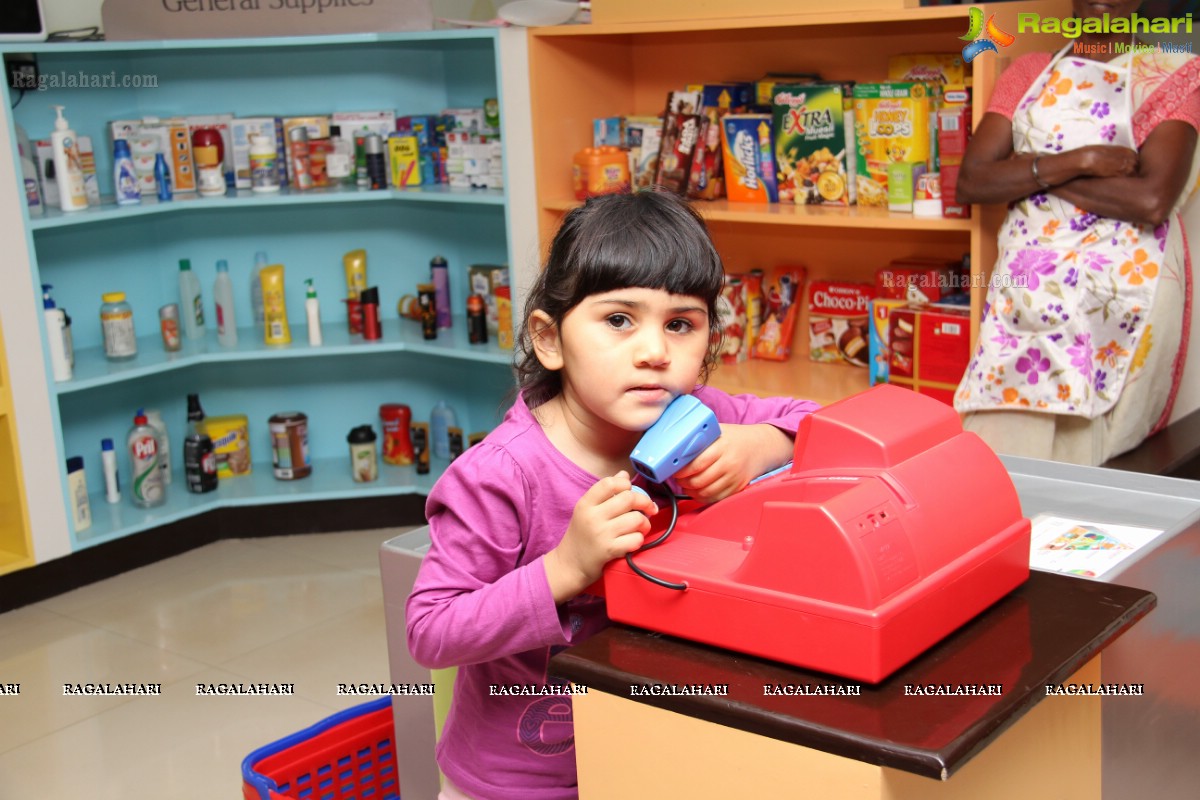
741,454
1104,161
609,521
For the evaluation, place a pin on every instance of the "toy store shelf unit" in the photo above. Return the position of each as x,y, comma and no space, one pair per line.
338,385
16,548
611,68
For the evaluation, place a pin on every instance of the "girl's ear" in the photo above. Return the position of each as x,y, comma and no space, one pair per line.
546,344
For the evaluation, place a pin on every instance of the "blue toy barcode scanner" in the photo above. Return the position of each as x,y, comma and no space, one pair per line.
685,428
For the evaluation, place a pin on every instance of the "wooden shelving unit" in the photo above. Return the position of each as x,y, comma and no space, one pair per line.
582,72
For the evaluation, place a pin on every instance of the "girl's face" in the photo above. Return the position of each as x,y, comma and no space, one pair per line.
626,354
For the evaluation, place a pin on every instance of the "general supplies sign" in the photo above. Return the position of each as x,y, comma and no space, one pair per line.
126,20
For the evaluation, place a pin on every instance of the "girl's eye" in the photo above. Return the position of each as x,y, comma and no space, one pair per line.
680,326
618,321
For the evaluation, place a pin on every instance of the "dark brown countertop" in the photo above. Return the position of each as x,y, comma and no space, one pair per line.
1038,635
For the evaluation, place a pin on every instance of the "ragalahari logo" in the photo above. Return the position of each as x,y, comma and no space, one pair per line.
983,37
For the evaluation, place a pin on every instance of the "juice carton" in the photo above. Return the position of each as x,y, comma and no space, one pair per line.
810,144
680,137
731,318
779,306
880,357
891,122
644,135
749,163
942,68
838,321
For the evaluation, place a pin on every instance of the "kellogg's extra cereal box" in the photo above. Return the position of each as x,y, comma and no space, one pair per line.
810,144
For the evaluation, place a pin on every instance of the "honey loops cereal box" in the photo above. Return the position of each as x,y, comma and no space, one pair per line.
891,122
838,319
810,144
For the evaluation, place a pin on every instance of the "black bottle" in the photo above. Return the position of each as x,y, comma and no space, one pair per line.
199,456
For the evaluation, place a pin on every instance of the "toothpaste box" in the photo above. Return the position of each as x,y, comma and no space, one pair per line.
172,138
810,144
749,163
838,321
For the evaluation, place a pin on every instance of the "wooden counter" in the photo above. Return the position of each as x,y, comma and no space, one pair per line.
857,740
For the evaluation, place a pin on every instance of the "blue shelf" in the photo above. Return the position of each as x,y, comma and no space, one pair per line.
439,37
93,370
242,199
330,480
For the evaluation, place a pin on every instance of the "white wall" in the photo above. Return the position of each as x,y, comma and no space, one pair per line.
71,14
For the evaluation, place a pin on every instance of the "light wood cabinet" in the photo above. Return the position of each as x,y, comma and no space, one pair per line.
582,72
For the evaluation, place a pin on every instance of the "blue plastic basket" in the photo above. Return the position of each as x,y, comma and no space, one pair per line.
348,756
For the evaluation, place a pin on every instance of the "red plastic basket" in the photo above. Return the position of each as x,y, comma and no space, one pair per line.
347,756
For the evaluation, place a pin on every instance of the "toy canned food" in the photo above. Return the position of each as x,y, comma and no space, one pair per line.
289,445
231,444
397,443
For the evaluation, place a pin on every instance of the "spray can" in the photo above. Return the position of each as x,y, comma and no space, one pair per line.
146,486
372,327
439,270
441,420
376,166
168,322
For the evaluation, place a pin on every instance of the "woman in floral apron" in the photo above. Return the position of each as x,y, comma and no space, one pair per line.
1083,335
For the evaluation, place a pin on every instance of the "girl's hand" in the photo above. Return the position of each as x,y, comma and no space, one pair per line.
741,454
609,521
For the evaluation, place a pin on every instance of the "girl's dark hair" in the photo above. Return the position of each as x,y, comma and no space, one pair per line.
649,239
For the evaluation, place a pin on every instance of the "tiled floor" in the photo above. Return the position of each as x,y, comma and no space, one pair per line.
306,610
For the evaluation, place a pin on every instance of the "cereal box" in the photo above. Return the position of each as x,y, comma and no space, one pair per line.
810,144
838,318
749,164
891,123
643,135
927,67
780,305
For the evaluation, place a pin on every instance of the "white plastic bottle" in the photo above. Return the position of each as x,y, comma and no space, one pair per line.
154,420
81,508
56,335
312,312
223,299
191,302
112,480
441,420
256,295
68,169
146,487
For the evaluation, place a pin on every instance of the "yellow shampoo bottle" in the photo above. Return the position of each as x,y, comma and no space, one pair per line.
275,330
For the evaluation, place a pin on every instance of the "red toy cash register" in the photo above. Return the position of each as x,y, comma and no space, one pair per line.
892,528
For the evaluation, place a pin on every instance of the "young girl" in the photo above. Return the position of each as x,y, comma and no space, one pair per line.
618,324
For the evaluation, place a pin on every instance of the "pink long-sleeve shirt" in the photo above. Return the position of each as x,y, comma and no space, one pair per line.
482,601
